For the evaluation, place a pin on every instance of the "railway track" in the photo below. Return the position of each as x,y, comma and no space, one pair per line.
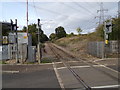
71,57
58,56
64,57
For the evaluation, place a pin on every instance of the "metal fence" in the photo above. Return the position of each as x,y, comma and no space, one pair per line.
98,49
22,51
9,51
4,55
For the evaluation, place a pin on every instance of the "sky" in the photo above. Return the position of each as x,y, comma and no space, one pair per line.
70,15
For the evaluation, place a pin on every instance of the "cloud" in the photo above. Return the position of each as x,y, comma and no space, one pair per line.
71,15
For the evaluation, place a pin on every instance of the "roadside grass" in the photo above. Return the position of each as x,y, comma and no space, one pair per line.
49,60
78,43
46,60
30,63
2,62
75,39
113,55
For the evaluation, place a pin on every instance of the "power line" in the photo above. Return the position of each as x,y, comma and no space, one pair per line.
83,8
35,8
53,12
69,6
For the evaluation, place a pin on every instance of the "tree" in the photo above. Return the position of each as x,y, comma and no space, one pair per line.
71,34
33,31
24,29
52,36
43,38
5,29
115,34
99,31
60,32
79,30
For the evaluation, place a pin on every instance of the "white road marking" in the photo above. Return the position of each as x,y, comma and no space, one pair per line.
104,59
86,66
79,66
10,71
58,62
28,64
109,64
58,77
107,67
107,86
61,68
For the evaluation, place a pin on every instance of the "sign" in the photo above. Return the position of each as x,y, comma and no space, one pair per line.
25,37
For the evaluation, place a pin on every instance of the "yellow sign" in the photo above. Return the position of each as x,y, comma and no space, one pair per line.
25,37
106,41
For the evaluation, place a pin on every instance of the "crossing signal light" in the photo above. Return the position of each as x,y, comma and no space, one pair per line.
13,26
108,27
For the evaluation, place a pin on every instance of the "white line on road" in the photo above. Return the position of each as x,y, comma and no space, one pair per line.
107,67
107,86
10,71
58,77
86,66
105,59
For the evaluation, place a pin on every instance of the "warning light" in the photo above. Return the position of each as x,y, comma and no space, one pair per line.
106,41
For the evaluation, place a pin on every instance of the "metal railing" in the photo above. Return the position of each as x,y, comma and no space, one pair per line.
98,49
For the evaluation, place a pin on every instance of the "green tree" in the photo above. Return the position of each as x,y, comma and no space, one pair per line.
99,31
52,36
5,29
43,38
60,32
24,29
71,34
115,34
33,31
79,30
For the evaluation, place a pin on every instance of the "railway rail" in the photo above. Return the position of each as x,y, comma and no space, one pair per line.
68,57
58,56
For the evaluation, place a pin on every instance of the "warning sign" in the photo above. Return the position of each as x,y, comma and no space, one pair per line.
25,37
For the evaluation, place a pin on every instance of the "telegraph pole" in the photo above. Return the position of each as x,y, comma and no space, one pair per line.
27,18
27,25
39,43
118,39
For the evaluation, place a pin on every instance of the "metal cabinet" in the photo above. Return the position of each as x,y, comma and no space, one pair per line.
31,53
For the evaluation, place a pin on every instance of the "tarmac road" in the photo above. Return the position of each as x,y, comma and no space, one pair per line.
41,78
